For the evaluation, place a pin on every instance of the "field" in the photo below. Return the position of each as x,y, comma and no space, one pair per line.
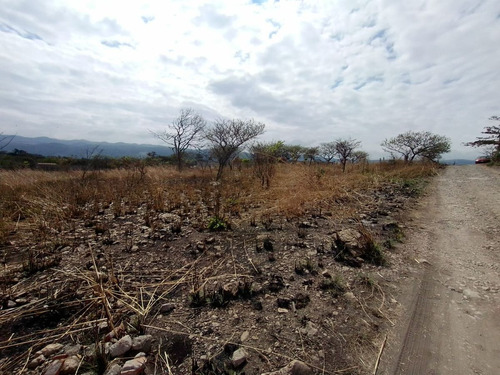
227,277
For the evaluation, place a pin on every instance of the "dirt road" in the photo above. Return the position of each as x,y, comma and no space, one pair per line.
450,303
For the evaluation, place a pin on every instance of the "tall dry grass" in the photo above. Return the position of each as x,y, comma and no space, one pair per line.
47,202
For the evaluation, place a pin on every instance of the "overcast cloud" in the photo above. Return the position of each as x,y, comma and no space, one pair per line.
312,71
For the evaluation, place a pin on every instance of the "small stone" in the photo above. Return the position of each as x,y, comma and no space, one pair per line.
282,310
70,365
11,304
37,361
310,329
134,366
239,357
21,301
326,274
349,296
72,349
231,289
51,349
142,343
293,368
113,369
244,336
121,346
54,368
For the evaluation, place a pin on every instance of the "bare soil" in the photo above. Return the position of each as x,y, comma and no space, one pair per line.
449,296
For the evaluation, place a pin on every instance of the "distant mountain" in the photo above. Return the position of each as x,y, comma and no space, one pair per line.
78,148
457,162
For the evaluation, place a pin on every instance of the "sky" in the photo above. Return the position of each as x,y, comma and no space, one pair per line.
312,71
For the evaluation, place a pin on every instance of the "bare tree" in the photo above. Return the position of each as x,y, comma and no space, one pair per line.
327,151
344,149
183,133
228,136
411,145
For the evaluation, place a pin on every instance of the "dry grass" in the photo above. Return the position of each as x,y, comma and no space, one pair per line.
36,206
44,202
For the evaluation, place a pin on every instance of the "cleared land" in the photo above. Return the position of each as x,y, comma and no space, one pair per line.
223,276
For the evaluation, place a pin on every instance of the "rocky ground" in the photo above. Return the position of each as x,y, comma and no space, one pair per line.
150,293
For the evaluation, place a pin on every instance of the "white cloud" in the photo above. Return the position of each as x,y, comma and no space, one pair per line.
312,71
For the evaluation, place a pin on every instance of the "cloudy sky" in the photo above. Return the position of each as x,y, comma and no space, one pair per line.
312,71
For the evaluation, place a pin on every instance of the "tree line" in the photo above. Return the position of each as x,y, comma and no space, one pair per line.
226,138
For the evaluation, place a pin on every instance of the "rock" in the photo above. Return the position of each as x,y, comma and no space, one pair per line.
51,349
11,304
239,357
120,347
282,310
310,329
264,243
349,237
244,336
293,368
21,301
70,365
54,368
134,366
349,296
142,343
326,274
72,349
113,369
231,289
37,361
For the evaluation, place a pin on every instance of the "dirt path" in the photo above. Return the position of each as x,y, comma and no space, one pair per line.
450,322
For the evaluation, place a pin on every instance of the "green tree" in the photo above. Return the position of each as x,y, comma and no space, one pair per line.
327,151
411,145
228,136
344,149
492,139
292,153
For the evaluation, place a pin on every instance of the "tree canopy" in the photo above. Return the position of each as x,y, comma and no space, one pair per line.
411,145
492,138
228,136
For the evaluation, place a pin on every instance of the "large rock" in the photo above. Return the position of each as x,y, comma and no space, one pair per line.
120,347
134,366
293,368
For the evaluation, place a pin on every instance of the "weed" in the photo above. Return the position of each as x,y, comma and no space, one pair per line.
305,267
217,224
335,286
